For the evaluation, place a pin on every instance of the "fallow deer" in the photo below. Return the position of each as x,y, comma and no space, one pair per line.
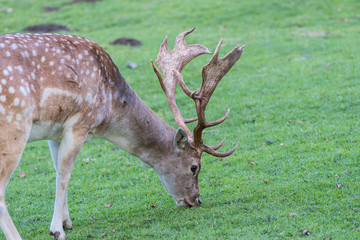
67,90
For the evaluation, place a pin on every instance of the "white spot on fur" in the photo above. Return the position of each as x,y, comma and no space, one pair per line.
20,69
51,63
5,72
14,46
9,117
18,117
9,68
16,102
43,59
2,45
11,90
7,53
3,98
3,81
22,90
34,53
88,98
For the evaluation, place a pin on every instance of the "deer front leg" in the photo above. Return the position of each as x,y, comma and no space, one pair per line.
67,151
54,149
12,143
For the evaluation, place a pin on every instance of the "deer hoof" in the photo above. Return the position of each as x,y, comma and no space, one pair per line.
58,236
67,224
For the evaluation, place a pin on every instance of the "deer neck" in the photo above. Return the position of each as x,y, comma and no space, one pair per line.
137,129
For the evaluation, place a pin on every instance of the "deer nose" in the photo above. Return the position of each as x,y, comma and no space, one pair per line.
199,201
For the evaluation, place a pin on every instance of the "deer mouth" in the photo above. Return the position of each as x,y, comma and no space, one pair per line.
186,202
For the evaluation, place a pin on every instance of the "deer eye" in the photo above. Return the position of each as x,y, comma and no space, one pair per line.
193,169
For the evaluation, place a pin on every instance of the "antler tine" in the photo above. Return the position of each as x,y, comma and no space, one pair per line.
180,39
220,120
211,151
219,145
158,74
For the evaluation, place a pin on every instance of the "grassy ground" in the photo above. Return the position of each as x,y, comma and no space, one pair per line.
297,85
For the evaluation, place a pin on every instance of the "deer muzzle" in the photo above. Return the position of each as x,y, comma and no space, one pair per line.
186,202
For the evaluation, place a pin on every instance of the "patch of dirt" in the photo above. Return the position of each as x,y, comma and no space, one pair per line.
127,41
51,9
46,28
79,1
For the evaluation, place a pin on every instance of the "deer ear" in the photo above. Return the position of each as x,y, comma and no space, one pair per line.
180,139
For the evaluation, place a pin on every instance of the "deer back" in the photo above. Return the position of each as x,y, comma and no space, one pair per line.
48,78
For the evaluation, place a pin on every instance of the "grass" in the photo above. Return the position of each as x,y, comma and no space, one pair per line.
296,85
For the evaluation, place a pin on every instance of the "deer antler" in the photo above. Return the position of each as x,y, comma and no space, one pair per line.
176,59
212,73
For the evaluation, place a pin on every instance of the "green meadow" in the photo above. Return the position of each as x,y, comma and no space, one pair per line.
295,110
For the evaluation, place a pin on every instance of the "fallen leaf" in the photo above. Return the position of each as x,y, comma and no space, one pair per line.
153,205
282,144
113,230
252,163
346,20
327,239
306,232
94,218
338,185
109,205
219,160
22,175
328,65
104,235
266,181
292,214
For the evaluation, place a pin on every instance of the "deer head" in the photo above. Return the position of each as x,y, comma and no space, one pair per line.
182,182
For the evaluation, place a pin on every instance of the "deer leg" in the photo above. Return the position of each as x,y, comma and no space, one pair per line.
12,143
67,151
54,149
